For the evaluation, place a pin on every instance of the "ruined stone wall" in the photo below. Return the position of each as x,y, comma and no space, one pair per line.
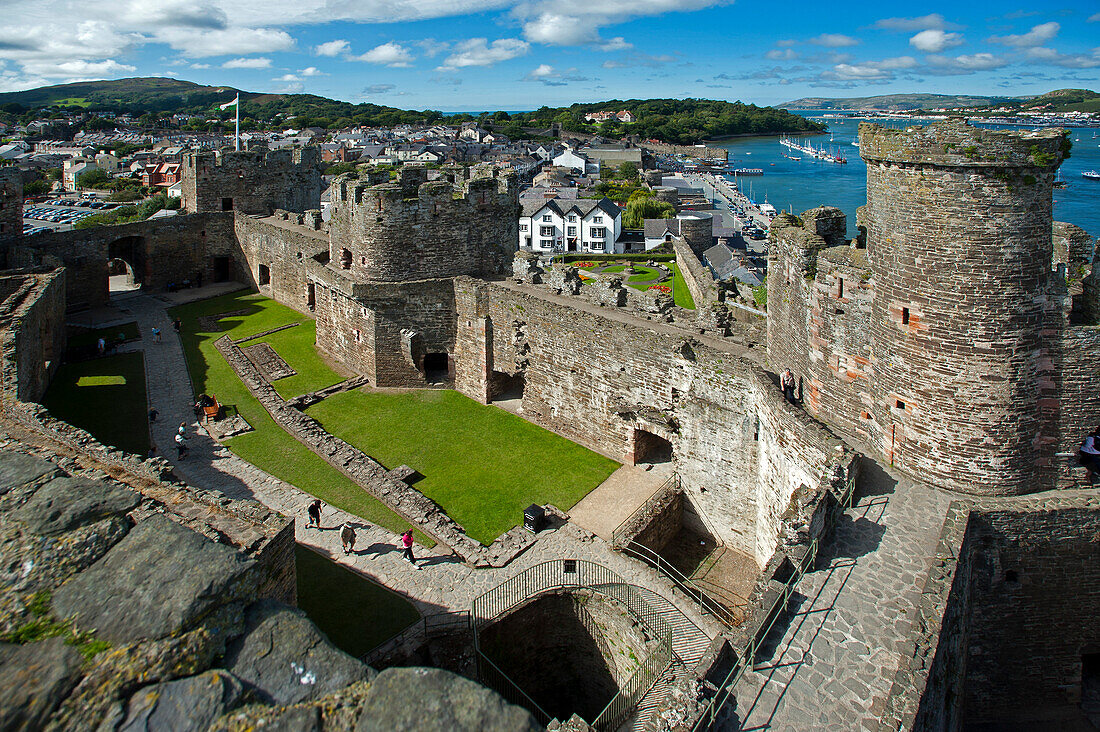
161,251
32,331
285,248
819,307
1034,594
959,238
11,204
739,452
414,229
1076,411
700,282
252,182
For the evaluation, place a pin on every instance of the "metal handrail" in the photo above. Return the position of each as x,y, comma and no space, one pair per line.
744,660
672,481
702,598
580,574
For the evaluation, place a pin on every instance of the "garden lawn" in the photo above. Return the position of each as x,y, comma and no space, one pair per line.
680,289
481,464
268,446
105,396
356,614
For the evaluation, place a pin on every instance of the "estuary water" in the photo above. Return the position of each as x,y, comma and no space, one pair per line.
799,185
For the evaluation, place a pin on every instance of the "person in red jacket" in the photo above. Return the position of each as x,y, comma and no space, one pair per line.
407,547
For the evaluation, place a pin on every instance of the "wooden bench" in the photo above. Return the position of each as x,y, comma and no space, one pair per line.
211,413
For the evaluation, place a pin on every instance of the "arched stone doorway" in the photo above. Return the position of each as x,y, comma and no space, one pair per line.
126,264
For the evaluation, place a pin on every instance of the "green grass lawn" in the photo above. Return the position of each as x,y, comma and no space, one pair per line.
80,338
268,446
680,290
356,614
105,396
481,464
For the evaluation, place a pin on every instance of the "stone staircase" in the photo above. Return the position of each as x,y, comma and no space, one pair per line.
689,643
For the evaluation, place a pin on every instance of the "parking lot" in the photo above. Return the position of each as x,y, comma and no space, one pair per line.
59,214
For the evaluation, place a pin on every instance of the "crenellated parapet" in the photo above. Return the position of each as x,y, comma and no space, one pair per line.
252,181
408,228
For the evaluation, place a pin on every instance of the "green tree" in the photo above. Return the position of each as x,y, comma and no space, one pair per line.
93,179
639,209
628,171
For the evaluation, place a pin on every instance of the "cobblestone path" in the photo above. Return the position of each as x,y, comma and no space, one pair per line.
442,581
832,666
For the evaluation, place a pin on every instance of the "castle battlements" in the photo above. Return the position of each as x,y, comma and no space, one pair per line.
252,181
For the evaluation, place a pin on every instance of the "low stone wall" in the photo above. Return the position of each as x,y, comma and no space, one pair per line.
694,151
32,331
370,475
656,522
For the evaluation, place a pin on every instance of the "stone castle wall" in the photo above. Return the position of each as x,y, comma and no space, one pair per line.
11,204
285,248
937,343
1005,618
415,229
607,383
252,182
32,331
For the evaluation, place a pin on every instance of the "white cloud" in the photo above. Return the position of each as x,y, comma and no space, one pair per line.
618,43
75,70
541,72
1037,36
871,70
293,87
834,40
332,48
578,22
379,89
1094,18
935,41
1067,60
197,43
311,71
478,52
389,54
287,77
933,21
966,64
200,66
785,54
247,63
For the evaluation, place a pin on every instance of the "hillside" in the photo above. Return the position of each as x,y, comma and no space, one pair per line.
684,121
898,102
1060,100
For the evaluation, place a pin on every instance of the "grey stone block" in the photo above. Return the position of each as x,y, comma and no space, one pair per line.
286,659
64,504
422,698
161,578
186,704
17,469
34,679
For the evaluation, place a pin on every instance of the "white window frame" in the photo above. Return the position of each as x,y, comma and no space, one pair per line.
572,231
545,231
598,232
547,217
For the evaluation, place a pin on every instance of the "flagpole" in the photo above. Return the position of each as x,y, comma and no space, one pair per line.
237,126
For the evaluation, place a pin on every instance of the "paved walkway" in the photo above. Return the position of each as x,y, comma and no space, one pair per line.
612,501
441,583
831,668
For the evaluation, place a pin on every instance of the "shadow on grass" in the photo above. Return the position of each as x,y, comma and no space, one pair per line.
106,397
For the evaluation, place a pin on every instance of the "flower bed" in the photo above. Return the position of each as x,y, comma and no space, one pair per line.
662,288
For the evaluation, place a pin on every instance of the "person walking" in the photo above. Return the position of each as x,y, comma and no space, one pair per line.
1090,455
407,547
156,335
182,431
347,538
177,324
181,446
786,383
314,511
101,346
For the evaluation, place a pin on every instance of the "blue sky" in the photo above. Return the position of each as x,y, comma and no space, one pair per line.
503,54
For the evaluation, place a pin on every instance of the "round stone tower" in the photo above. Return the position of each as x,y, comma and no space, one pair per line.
667,194
697,228
959,242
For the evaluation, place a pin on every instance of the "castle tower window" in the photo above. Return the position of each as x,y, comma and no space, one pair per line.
345,259
839,287
899,404
227,204
905,316
264,275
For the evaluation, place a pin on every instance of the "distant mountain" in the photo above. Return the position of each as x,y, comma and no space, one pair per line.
1060,100
899,102
141,94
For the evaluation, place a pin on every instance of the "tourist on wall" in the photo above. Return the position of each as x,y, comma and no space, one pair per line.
787,384
347,538
314,511
1090,454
